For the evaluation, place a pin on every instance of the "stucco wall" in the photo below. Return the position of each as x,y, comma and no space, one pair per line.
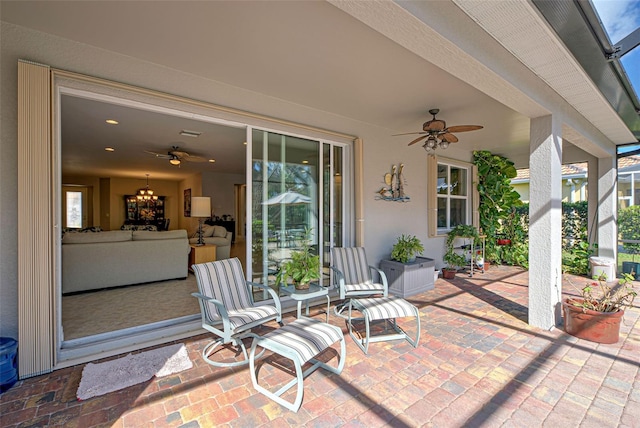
383,221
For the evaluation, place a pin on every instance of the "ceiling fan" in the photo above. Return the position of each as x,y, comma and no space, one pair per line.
436,133
176,156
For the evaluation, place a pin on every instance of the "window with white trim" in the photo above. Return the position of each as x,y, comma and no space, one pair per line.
452,198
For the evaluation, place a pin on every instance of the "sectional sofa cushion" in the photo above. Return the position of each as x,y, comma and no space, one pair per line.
143,235
86,238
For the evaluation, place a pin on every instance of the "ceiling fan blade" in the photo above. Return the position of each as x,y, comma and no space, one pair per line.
409,133
178,153
190,158
449,138
158,155
464,128
418,139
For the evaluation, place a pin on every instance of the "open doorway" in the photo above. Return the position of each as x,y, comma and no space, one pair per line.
125,169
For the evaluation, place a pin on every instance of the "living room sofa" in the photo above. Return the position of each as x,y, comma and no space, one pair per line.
218,236
92,261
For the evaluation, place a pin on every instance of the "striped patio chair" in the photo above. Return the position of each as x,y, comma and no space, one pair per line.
353,276
227,307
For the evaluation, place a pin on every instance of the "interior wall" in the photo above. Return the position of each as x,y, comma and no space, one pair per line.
221,189
129,186
92,182
194,183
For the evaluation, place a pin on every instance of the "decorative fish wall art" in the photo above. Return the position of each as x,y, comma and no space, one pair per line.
395,182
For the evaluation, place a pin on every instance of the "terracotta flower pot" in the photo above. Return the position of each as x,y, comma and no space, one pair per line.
449,273
599,327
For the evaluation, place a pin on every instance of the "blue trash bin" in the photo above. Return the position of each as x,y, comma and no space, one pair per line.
8,363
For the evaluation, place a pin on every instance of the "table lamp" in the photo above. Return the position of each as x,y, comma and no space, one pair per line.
201,208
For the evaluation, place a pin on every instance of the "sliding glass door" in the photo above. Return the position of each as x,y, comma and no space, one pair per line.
294,200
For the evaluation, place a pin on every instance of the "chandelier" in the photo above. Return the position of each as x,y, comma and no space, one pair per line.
433,142
146,194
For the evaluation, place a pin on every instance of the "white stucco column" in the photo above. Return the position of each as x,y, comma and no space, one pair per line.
593,195
545,222
607,207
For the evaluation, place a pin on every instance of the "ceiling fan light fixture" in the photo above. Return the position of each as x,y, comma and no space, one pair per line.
174,161
443,144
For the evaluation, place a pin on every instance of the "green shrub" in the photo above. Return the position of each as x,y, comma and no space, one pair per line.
629,227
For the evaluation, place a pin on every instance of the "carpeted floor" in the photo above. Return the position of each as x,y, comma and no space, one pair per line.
118,308
114,309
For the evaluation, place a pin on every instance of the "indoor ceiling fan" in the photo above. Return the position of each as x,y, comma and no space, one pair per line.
176,156
436,133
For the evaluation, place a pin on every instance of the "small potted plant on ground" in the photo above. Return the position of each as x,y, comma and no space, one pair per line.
454,262
596,315
406,249
302,268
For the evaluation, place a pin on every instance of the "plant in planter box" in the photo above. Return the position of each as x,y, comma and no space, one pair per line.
406,248
302,268
596,315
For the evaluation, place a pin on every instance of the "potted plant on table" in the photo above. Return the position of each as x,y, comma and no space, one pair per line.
406,249
596,315
302,268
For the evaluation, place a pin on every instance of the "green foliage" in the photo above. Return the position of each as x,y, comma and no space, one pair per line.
575,246
600,296
302,267
629,227
453,259
516,254
575,260
575,218
406,248
497,196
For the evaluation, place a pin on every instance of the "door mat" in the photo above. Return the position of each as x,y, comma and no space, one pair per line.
102,378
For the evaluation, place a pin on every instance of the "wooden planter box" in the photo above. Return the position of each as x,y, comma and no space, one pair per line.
408,279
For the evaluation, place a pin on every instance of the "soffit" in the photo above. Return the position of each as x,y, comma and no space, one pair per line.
385,67
518,27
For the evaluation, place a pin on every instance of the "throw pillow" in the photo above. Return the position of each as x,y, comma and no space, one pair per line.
207,231
219,232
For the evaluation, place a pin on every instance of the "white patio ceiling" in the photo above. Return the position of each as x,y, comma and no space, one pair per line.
378,62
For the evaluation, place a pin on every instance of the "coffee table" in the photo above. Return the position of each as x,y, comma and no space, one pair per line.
314,290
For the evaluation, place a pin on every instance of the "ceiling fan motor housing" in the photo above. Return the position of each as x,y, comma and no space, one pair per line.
434,125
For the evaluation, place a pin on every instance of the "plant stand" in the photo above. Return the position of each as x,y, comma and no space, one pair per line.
408,279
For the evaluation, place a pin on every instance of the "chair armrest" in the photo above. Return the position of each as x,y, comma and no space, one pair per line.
383,279
271,291
339,279
219,306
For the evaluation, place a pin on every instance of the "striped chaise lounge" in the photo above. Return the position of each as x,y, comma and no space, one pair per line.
383,308
300,341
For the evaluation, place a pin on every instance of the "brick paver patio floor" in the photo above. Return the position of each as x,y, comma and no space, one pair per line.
478,364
